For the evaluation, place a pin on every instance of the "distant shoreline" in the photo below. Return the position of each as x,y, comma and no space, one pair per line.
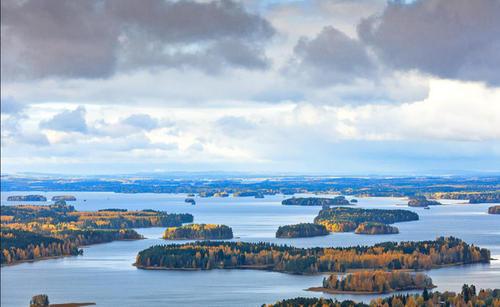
334,291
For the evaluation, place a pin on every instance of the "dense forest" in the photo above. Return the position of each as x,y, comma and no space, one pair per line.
473,197
467,297
389,255
199,232
494,210
422,201
345,219
61,213
302,230
31,232
316,201
19,245
372,228
377,281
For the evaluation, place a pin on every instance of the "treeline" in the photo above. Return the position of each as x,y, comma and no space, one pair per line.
467,297
344,219
389,255
302,230
472,197
199,232
18,245
377,281
316,201
375,229
61,213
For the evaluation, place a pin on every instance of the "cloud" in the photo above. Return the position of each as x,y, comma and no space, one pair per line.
94,39
10,106
449,39
67,121
141,121
333,57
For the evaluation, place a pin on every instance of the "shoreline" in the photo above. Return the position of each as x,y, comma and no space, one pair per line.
334,291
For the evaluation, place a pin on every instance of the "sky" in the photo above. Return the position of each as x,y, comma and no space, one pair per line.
318,86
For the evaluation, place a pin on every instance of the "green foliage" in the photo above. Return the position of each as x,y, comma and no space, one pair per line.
301,231
199,232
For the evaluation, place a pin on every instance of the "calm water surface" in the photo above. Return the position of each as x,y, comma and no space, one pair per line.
105,275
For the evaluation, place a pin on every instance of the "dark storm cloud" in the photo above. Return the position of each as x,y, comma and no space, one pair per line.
451,39
67,121
93,39
332,57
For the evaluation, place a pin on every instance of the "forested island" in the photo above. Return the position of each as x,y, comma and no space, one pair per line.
302,230
206,255
199,232
345,219
31,232
422,201
378,281
494,210
316,201
27,198
372,228
64,197
473,197
42,300
469,296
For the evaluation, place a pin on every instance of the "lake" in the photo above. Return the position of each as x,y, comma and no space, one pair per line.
105,275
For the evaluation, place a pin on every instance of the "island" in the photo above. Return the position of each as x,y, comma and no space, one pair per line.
199,232
354,201
64,197
494,210
190,201
302,230
27,198
42,300
422,201
345,219
316,201
33,232
411,255
372,228
473,197
469,296
373,282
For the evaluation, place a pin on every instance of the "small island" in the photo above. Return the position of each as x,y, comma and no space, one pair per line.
422,201
27,198
190,201
375,229
474,197
374,282
494,210
64,197
199,232
345,219
302,230
42,300
316,201
354,201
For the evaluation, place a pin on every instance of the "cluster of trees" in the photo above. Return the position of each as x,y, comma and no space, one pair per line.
473,197
61,213
316,201
377,281
207,255
302,230
27,198
422,201
199,232
494,210
19,245
346,219
371,228
467,297
34,232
